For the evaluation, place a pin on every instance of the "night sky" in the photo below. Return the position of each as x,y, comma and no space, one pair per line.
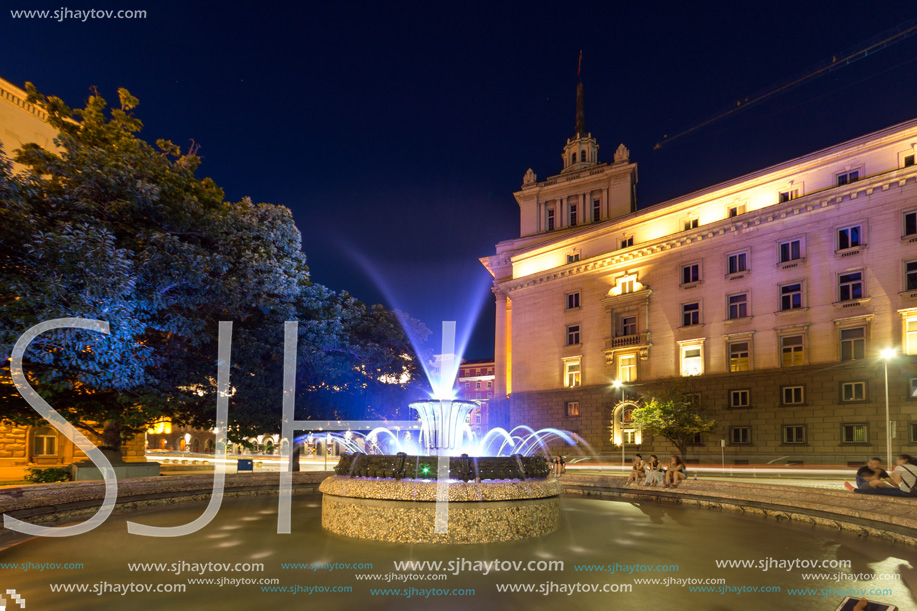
397,132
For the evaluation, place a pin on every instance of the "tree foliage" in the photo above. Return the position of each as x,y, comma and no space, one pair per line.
112,228
669,410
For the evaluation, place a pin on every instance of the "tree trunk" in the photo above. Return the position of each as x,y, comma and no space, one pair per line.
111,436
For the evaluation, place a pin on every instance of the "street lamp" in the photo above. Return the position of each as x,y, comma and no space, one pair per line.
187,441
886,355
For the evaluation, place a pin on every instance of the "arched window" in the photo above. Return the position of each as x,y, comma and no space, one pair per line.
573,157
195,445
44,441
208,446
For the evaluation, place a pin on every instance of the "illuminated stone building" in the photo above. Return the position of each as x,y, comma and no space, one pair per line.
475,382
771,295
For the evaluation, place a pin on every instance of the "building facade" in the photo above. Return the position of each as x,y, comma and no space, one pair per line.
475,382
770,297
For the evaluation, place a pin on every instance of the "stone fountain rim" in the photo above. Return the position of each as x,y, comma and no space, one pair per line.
386,489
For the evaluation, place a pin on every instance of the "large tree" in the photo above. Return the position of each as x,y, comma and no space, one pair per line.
670,410
112,228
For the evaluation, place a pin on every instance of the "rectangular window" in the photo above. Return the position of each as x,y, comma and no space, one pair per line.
693,400
573,258
573,215
477,385
794,433
736,263
738,356
910,223
849,237
696,440
490,384
630,437
910,335
850,286
854,433
735,210
853,391
689,224
740,435
467,385
785,196
572,374
692,360
738,306
913,388
627,242
690,314
627,368
791,350
790,250
792,395
626,285
690,273
910,275
791,296
572,300
44,445
908,160
628,325
572,408
572,335
913,433
550,219
596,210
848,177
739,398
853,343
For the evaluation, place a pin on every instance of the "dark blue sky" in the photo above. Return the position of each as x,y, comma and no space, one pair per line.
397,132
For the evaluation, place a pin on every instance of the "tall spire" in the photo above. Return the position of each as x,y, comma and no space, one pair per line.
580,128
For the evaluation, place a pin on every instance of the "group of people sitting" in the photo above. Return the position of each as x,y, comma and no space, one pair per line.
652,472
873,479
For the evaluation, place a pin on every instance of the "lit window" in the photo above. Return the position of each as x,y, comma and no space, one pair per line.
573,408
626,285
740,435
791,350
790,250
550,219
690,314
853,343
572,373
735,210
627,368
854,433
910,275
596,210
792,395
910,335
630,436
738,356
848,177
739,398
572,300
628,325
850,286
692,360
853,391
572,335
794,434
849,237
690,273
738,306
791,296
737,262
910,223
44,441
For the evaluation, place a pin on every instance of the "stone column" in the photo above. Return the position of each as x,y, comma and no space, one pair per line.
500,344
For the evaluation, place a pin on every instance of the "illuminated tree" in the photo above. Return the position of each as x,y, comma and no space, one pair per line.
670,411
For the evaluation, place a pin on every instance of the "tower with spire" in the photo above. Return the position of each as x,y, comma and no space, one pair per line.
581,150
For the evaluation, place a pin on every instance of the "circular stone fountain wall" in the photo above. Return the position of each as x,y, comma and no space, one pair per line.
404,511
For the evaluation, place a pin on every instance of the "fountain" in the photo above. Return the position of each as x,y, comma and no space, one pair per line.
454,489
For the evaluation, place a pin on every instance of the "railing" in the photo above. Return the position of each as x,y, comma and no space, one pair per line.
626,341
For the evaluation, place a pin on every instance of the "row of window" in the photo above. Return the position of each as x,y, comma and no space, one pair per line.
477,385
573,217
796,434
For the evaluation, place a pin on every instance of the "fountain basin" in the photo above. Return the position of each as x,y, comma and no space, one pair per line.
404,511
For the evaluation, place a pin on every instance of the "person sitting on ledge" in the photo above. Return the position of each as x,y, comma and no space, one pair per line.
636,471
873,479
675,473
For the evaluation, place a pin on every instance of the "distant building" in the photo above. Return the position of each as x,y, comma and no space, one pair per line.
476,383
770,296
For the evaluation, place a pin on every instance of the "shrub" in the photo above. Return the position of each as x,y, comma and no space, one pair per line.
47,475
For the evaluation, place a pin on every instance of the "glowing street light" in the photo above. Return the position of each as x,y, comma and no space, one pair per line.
886,355
619,385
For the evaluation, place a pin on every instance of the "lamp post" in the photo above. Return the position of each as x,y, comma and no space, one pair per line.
187,442
887,354
618,385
